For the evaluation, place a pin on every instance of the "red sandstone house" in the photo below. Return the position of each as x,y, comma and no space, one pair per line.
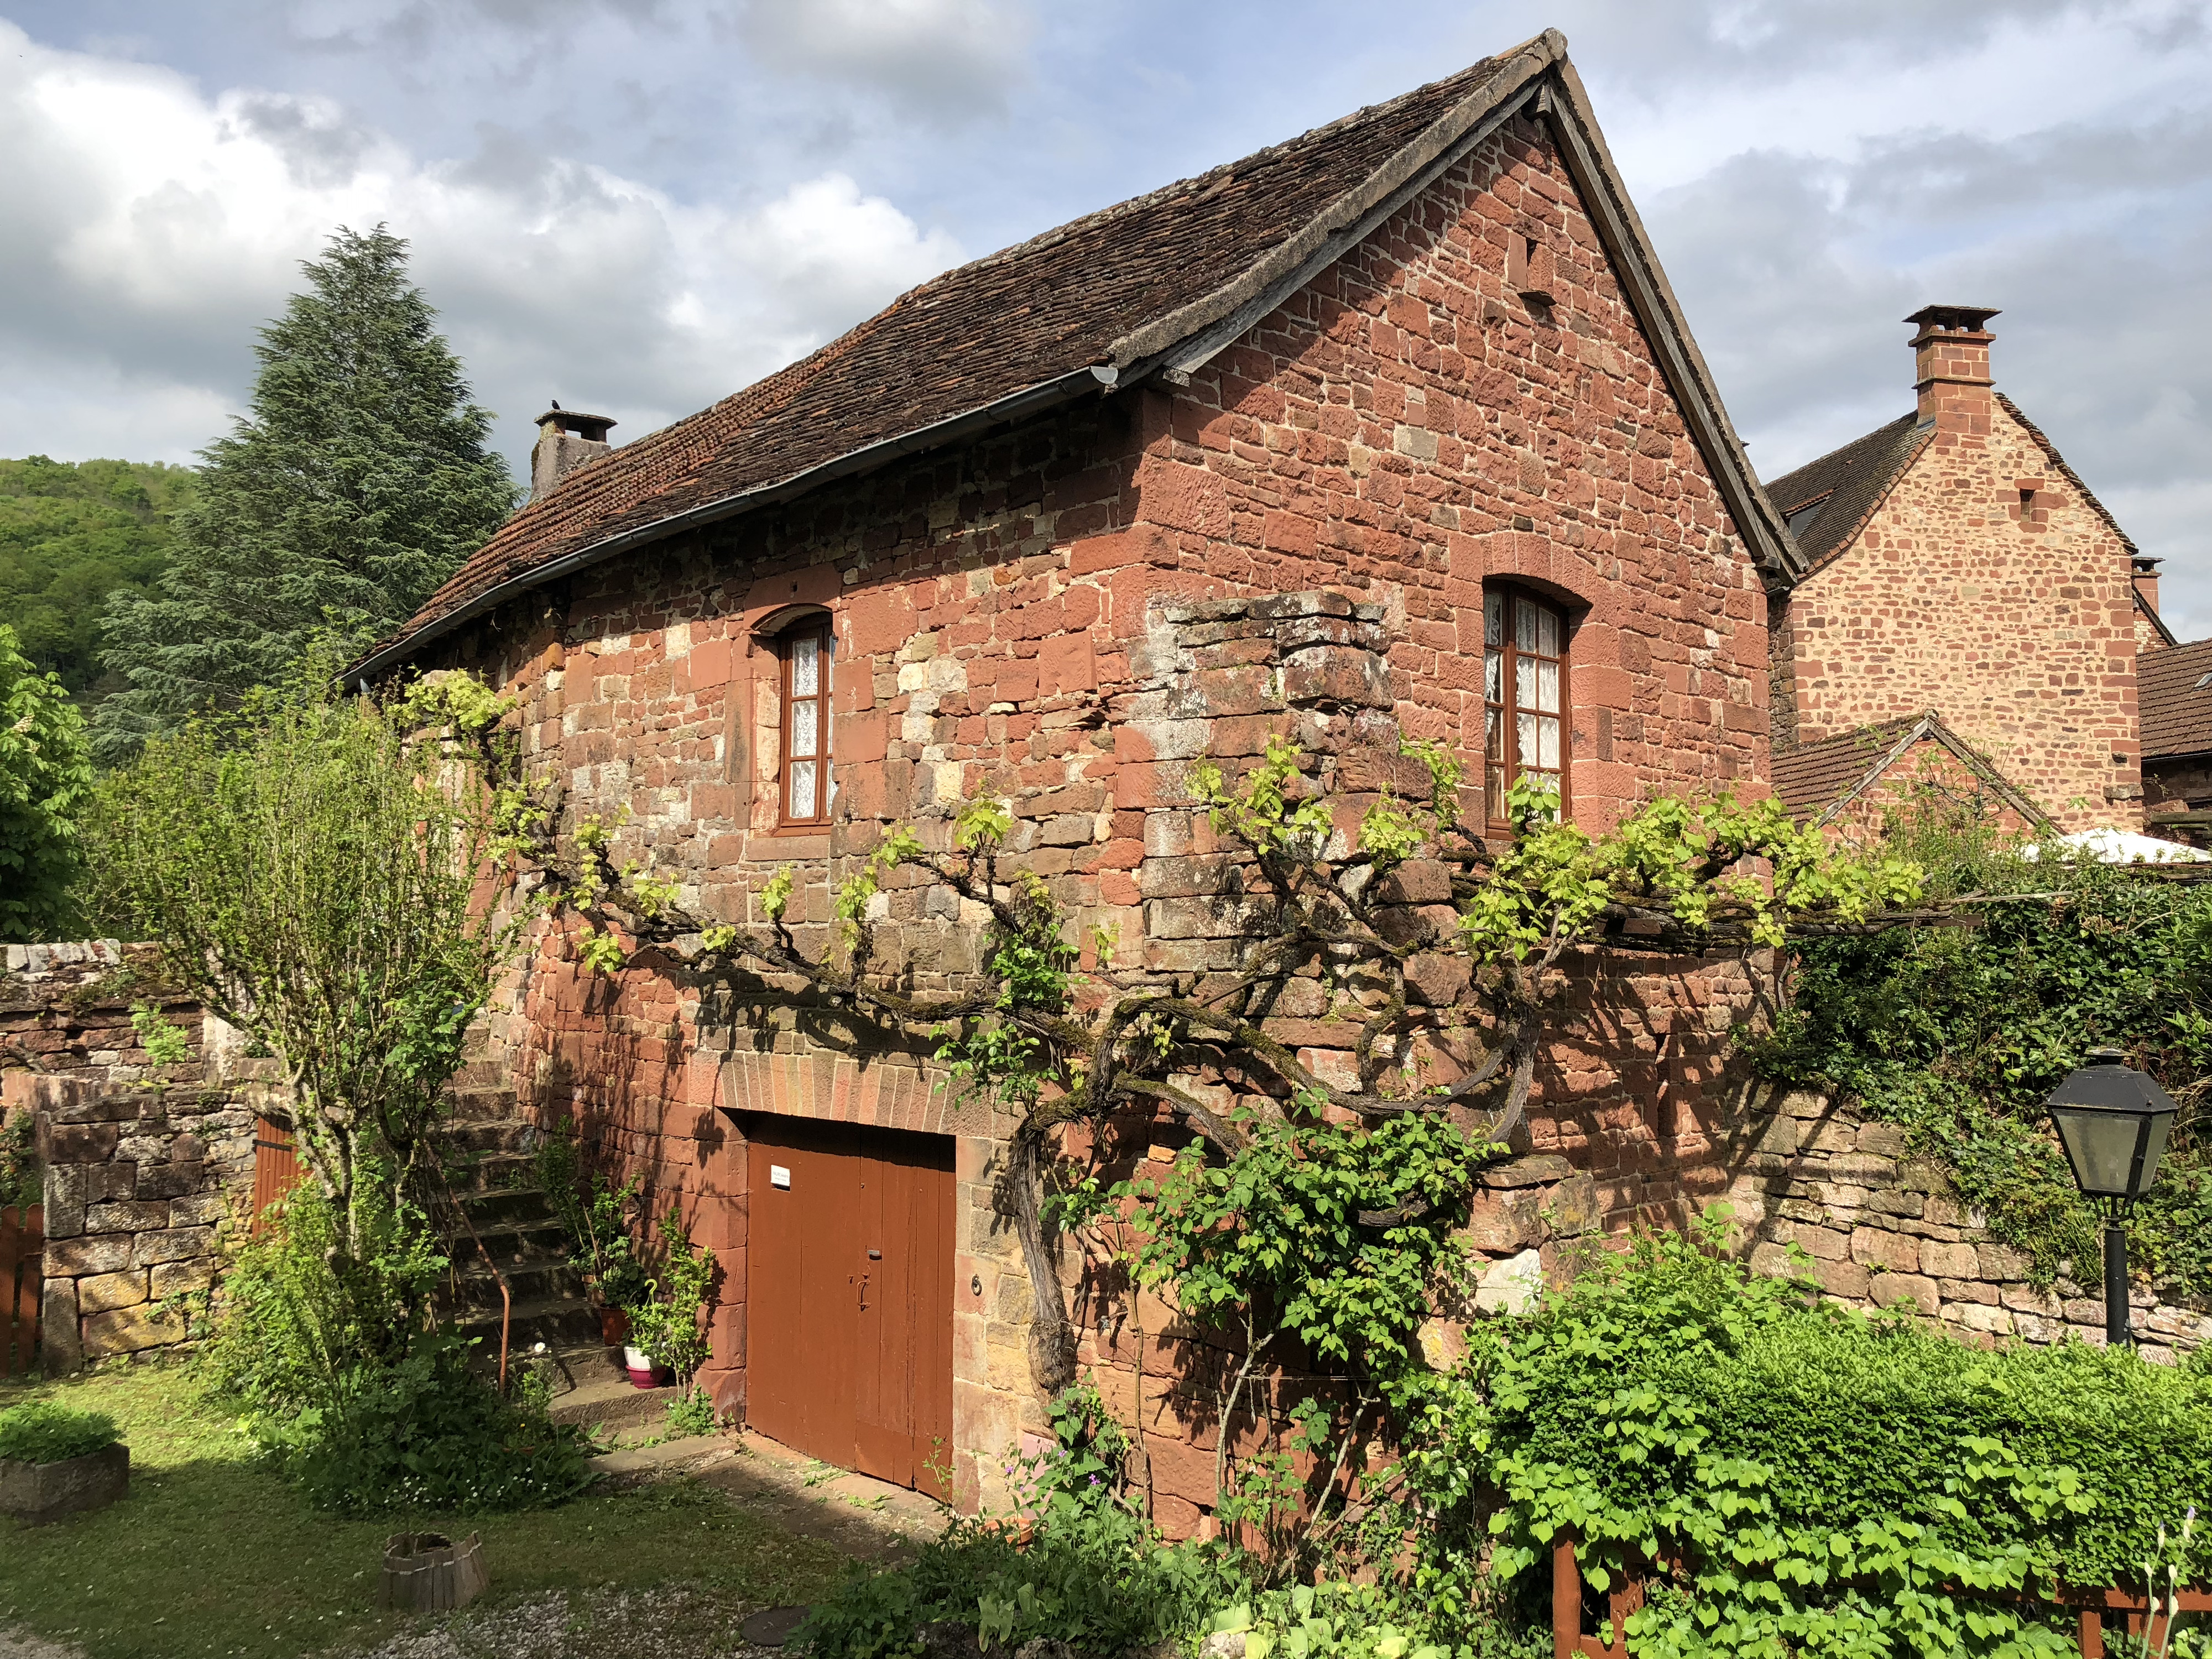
1963,585
1419,368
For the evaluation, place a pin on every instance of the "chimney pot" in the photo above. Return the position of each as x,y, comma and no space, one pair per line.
1951,368
2145,574
567,438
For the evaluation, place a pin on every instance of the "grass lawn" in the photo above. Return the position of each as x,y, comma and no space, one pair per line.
210,1553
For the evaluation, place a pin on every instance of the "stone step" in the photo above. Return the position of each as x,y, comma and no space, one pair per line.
604,1395
472,1286
486,1135
507,1206
490,1172
561,1322
485,1105
522,1244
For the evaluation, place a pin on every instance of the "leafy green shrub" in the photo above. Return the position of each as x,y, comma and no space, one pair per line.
349,1387
46,1431
428,1432
1959,1034
1816,1477
596,1215
46,787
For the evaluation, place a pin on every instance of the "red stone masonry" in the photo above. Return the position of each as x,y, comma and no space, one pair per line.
1402,429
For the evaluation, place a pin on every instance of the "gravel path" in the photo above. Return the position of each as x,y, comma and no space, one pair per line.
671,1623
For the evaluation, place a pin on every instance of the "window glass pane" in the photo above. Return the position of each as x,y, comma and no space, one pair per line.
1493,736
1493,676
1547,686
1524,682
829,790
802,789
806,666
1494,620
1547,744
1547,632
803,715
1494,792
1525,613
1524,733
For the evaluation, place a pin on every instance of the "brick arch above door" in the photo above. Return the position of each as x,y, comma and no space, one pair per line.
878,1091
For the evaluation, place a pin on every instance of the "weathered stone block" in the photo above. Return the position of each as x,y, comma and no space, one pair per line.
128,1330
1887,1289
162,1181
129,1217
103,1291
1895,1252
1436,980
1337,674
36,1493
181,1279
1417,881
1535,1169
1880,1140
174,1245
1949,1260
90,1254
2000,1262
1511,1285
1502,1223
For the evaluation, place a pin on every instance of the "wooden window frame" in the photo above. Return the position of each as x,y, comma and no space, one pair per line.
815,628
1508,762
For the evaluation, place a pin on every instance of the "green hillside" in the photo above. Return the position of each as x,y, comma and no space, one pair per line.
70,534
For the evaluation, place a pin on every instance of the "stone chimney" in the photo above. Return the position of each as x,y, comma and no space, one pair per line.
2146,580
1951,368
566,439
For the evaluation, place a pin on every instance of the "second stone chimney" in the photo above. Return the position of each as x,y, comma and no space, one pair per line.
566,439
1951,368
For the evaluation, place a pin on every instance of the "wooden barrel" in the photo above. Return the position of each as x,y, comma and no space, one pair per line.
427,1572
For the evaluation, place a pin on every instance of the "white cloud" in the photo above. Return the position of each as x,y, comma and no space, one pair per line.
949,58
146,229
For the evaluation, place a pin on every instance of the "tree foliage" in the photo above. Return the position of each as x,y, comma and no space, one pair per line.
72,537
46,784
359,482
320,879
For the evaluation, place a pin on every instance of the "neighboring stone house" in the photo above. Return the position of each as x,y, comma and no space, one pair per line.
2176,694
1955,563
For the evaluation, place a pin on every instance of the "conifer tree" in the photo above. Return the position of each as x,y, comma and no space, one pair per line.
357,484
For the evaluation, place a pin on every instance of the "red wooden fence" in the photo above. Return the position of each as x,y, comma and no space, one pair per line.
1570,1640
276,1165
22,1256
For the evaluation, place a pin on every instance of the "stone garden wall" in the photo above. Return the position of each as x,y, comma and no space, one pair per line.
141,1159
1881,1229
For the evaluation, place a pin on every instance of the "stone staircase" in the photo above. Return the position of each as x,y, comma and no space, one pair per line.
498,1211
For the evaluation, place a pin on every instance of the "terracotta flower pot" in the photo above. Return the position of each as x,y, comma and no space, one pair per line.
614,1326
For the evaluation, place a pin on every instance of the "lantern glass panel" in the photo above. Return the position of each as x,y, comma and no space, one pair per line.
2102,1146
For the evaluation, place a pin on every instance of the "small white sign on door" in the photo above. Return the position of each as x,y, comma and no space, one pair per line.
778,1176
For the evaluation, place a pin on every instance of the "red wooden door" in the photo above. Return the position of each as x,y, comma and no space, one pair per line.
275,1166
848,1300
22,1259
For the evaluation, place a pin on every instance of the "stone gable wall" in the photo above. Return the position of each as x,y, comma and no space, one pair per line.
2016,624
1004,613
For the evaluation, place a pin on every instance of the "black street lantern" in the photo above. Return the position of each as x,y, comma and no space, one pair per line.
2113,1123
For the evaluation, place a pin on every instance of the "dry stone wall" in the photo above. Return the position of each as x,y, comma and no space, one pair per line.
1877,1229
141,1160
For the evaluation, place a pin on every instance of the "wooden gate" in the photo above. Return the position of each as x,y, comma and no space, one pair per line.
848,1298
22,1256
275,1166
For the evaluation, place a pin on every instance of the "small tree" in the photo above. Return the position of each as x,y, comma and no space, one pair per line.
45,782
360,482
315,875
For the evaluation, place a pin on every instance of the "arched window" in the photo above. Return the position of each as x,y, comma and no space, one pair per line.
1524,682
806,787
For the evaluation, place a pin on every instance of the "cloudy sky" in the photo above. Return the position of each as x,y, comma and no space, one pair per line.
638,206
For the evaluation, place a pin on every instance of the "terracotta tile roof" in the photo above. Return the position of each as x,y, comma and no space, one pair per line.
1818,780
1826,502
1159,283
2176,711
1019,319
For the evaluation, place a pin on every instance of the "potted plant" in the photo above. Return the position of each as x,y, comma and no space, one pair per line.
665,1333
56,1461
597,1219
